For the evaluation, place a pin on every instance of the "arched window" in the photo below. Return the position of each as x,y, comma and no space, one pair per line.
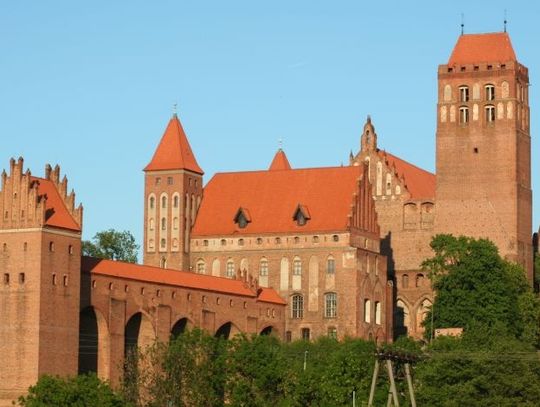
490,92
330,265
377,312
464,115
463,93
163,243
229,271
163,202
201,266
367,311
163,223
405,281
163,265
297,308
419,280
330,305
263,267
447,96
297,266
151,223
176,201
490,113
152,203
175,223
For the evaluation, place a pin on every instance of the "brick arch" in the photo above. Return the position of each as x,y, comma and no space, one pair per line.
181,325
227,330
94,343
270,330
139,331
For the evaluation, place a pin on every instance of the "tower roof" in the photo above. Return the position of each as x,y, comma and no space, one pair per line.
476,48
174,151
280,162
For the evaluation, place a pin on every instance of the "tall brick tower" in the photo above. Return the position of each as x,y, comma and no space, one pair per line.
173,192
484,146
40,264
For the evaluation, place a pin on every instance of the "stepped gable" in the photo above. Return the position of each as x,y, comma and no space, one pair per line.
174,151
280,162
29,201
419,182
478,48
243,285
273,197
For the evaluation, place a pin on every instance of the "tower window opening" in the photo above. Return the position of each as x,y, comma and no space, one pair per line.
490,114
163,202
490,92
476,150
158,180
152,202
6,278
66,281
163,223
21,278
169,180
464,115
464,93
54,279
176,200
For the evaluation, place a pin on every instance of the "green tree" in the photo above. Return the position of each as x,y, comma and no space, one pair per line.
113,245
78,391
255,371
485,367
475,287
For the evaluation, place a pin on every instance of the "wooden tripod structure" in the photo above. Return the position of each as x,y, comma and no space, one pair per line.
387,358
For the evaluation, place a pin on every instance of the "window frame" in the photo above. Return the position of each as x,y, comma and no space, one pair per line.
330,305
297,306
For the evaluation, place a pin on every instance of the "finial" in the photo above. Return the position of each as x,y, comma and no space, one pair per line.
280,143
175,105
368,118
505,21
462,22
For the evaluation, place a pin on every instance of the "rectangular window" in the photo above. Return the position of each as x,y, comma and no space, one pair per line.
332,332
330,305
297,267
21,278
263,271
65,281
330,266
6,278
464,93
297,310
305,334
490,114
288,336
158,180
169,180
54,279
490,92
464,115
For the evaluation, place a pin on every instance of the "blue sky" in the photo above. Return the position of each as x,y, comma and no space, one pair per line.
90,85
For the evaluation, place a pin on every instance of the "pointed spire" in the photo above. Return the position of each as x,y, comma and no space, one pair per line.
280,162
174,151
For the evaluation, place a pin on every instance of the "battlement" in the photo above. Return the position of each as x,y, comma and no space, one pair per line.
492,68
32,202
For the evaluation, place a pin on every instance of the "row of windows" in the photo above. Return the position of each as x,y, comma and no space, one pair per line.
51,247
489,93
305,334
170,181
264,267
330,306
489,114
7,279
420,280
163,224
277,240
158,292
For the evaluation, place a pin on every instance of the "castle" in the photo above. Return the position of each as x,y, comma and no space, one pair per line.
298,253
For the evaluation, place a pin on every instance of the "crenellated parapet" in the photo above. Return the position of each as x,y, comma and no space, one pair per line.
27,201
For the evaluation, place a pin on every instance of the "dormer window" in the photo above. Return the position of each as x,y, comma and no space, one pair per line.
301,215
242,218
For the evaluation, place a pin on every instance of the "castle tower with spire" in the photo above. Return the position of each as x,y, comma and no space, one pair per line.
484,146
40,263
173,193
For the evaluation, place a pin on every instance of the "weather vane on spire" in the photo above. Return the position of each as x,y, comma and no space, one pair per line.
280,143
174,106
505,20
462,22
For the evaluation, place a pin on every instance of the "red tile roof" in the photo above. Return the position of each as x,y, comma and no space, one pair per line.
419,182
176,278
477,48
280,162
56,214
272,198
174,151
